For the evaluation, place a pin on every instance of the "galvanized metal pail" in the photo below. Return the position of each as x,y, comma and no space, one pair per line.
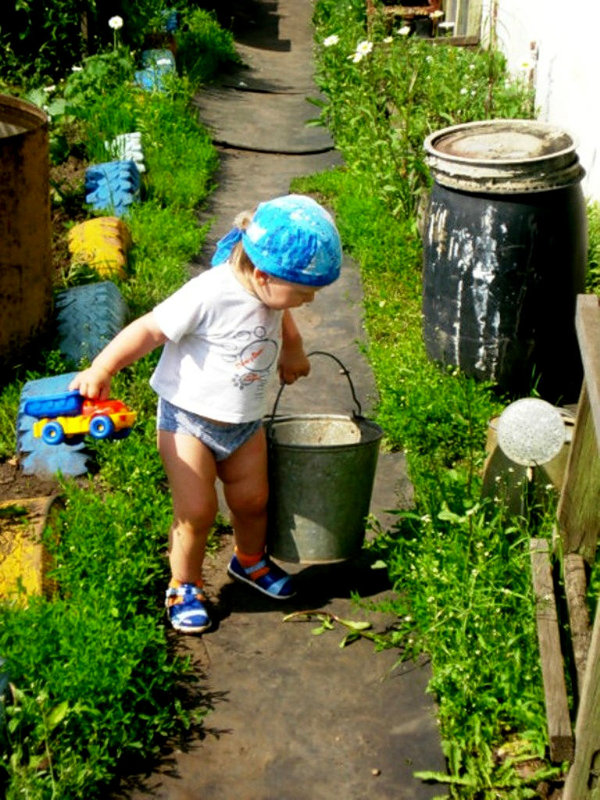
321,475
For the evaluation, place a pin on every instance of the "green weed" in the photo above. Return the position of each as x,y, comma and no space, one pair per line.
97,689
593,274
204,46
381,106
459,562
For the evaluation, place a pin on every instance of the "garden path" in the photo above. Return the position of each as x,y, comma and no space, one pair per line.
293,715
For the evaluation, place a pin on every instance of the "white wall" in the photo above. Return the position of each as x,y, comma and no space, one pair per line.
558,46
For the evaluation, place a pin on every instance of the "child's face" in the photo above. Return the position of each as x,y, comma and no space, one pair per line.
280,294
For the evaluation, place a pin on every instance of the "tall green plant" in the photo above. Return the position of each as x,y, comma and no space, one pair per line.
459,562
386,91
204,46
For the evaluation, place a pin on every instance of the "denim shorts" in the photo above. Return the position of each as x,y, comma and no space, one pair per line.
222,438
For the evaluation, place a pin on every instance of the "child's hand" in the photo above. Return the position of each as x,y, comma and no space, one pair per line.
293,364
93,382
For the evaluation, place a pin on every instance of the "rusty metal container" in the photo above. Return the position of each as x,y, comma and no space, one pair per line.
505,254
25,232
321,475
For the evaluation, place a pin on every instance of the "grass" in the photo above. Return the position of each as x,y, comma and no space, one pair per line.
459,560
95,684
96,688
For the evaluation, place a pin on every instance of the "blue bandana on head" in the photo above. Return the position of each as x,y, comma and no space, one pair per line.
290,237
225,246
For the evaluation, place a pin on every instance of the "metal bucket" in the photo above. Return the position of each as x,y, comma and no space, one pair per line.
505,254
321,474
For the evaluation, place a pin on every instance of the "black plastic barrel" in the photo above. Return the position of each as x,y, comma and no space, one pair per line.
505,253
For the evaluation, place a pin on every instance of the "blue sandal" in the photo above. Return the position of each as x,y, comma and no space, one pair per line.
185,608
273,581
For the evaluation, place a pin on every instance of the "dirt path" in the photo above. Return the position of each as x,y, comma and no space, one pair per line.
295,716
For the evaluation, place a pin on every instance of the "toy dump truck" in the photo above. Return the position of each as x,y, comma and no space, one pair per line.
68,417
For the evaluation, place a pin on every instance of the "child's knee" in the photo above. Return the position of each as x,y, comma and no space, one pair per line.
251,503
197,520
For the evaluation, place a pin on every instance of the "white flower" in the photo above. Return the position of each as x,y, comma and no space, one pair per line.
115,23
362,49
49,88
404,30
388,39
463,90
331,40
76,69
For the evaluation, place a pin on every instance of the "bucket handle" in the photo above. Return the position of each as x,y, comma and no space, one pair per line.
357,414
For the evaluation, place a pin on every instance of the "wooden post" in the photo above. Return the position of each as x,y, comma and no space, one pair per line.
370,14
583,777
579,506
579,615
579,520
560,732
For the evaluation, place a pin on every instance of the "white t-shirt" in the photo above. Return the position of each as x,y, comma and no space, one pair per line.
222,348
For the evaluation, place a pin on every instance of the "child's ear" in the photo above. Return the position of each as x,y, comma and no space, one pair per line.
261,277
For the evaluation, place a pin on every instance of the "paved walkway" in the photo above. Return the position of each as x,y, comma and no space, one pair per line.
294,716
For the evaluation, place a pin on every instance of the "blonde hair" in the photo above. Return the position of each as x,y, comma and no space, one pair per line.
239,258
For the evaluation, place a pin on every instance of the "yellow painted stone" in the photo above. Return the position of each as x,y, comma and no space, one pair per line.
102,243
23,560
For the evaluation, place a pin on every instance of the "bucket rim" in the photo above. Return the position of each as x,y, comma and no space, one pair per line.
270,422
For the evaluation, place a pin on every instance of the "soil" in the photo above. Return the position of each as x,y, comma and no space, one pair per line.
15,485
67,182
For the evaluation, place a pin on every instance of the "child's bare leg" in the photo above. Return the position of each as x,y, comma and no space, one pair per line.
191,470
245,482
246,487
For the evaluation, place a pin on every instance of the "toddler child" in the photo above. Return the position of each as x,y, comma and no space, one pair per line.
225,333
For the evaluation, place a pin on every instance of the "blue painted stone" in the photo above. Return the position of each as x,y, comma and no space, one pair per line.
39,458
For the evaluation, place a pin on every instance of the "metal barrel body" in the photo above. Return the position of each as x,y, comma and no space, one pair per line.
25,233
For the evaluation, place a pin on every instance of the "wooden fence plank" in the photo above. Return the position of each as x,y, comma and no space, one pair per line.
583,777
587,322
560,733
579,615
579,520
578,510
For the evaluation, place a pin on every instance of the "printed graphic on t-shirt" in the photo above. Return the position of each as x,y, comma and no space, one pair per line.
253,358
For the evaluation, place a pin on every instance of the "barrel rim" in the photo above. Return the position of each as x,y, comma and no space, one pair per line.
29,115
436,135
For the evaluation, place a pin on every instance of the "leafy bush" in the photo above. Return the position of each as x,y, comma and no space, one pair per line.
203,46
593,274
41,40
381,104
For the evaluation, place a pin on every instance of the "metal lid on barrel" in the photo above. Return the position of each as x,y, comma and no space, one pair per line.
503,156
